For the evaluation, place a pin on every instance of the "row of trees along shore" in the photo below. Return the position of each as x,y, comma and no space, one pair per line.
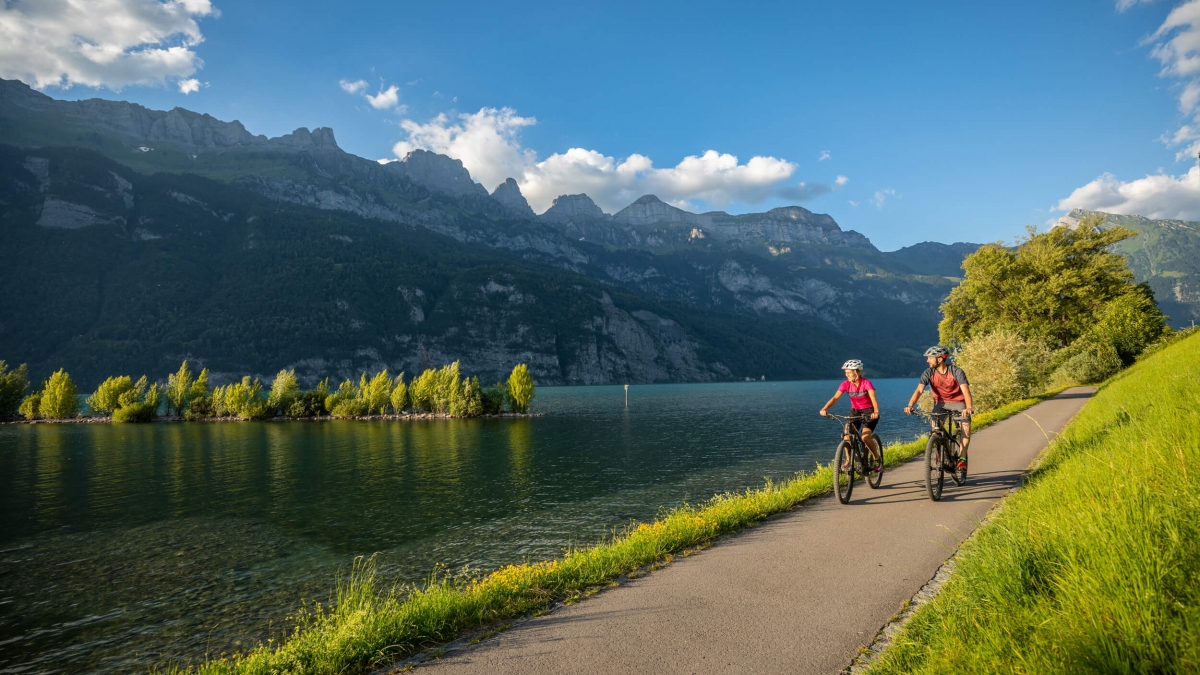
1060,308
439,391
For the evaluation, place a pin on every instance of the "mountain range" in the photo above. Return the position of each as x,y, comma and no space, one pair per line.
135,238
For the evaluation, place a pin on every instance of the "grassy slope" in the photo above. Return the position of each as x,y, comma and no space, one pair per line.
1095,565
368,626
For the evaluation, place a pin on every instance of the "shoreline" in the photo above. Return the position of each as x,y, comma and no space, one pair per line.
322,418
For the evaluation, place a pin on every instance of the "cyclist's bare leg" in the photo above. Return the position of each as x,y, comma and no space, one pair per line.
966,437
871,441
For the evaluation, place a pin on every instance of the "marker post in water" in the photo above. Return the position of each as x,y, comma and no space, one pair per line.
626,397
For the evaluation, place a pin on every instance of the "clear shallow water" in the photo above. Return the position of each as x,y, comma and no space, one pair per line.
124,546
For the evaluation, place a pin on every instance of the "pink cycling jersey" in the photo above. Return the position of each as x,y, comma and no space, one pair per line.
859,398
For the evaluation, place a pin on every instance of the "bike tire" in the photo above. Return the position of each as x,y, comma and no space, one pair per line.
875,479
934,478
959,476
843,479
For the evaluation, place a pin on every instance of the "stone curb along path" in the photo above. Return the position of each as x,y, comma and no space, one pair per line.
802,593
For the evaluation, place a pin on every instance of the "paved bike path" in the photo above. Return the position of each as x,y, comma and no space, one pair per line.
798,594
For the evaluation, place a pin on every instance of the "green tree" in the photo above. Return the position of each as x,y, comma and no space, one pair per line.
346,391
423,391
284,391
1131,322
200,385
399,397
58,397
376,392
1055,285
107,397
472,397
13,384
179,389
493,398
1003,367
519,389
29,406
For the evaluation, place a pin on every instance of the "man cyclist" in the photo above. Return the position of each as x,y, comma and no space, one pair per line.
864,407
951,392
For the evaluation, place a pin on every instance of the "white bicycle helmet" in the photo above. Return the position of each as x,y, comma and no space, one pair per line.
852,364
936,351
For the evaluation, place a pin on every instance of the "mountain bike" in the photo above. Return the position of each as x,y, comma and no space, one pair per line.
943,451
853,456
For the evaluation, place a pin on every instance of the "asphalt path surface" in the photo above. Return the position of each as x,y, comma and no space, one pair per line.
800,593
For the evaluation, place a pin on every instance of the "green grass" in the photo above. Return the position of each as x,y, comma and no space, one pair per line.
1094,566
367,626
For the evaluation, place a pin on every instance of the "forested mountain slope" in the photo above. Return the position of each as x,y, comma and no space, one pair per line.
106,202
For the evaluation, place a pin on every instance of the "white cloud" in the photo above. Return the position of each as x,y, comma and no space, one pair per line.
853,203
386,98
485,141
1123,5
109,43
824,156
1155,196
353,87
488,144
881,196
190,85
1177,47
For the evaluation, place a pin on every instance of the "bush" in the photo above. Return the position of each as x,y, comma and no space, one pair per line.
58,397
492,399
1131,323
1003,367
29,407
200,407
241,399
13,384
519,389
107,397
1088,360
308,404
135,412
350,407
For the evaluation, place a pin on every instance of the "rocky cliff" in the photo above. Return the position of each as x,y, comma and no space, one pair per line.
509,195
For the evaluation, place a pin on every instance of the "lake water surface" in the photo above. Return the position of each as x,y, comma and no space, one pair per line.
122,547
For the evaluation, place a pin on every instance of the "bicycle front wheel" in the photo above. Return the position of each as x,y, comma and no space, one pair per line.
933,468
843,472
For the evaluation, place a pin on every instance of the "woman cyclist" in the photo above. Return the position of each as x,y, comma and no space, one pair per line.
864,407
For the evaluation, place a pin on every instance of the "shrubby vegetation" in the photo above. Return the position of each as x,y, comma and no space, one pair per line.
55,400
441,391
1061,308
13,384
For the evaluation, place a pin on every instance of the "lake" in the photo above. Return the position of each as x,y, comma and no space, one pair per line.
122,547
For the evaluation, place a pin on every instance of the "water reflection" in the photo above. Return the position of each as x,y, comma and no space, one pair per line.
123,545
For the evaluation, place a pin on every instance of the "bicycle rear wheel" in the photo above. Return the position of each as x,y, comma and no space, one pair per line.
875,478
934,478
843,478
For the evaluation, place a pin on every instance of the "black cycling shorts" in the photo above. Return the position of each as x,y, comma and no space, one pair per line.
863,418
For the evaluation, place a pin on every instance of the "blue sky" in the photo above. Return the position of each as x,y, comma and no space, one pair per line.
941,121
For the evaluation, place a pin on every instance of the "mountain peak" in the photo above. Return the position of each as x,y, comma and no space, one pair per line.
509,194
567,207
648,199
